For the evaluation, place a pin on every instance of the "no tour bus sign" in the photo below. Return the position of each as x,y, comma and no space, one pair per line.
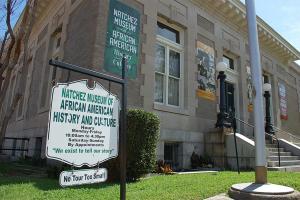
83,124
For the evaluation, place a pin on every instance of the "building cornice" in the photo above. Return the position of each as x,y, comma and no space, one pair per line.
234,12
41,6
266,30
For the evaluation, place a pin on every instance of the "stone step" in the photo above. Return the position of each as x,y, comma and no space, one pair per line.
294,168
271,145
283,163
282,158
281,153
275,149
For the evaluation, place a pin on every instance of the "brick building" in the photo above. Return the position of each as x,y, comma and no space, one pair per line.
179,44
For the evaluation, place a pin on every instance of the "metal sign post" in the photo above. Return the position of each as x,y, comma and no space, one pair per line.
123,135
123,82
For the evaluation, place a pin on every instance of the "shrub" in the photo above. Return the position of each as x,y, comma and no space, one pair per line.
142,137
206,161
162,167
195,160
200,161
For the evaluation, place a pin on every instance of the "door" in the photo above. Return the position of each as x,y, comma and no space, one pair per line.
229,97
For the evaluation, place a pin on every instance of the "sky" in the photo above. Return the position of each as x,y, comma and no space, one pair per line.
282,15
20,4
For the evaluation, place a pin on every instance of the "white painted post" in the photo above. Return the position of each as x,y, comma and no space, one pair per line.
256,73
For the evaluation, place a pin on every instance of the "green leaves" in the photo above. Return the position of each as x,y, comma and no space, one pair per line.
142,137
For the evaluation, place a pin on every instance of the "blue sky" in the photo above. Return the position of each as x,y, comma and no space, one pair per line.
16,12
282,15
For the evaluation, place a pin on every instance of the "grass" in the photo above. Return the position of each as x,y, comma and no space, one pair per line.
189,186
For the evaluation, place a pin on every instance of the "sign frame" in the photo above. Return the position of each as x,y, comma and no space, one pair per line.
123,118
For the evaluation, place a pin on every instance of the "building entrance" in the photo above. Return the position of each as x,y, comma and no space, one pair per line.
229,97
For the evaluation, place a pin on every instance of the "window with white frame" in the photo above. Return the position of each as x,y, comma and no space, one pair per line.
168,66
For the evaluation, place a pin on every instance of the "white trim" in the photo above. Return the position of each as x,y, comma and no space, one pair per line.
179,49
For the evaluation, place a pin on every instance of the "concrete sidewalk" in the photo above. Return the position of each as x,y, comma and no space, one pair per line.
222,196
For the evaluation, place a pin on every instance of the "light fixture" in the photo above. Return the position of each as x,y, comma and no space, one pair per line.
221,67
267,87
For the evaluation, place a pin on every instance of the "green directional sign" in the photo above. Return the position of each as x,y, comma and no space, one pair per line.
123,30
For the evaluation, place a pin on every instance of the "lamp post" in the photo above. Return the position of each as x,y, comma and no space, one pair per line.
221,117
268,126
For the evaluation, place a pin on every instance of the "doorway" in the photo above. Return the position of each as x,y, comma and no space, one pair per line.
229,97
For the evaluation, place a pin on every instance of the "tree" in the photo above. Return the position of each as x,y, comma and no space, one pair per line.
14,47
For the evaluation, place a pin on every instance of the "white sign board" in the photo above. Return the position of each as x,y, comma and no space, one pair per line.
80,177
83,124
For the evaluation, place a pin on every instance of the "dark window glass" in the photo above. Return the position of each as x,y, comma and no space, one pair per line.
168,32
266,79
229,62
58,42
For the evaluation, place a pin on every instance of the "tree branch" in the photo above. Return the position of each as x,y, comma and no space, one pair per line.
12,37
2,46
15,45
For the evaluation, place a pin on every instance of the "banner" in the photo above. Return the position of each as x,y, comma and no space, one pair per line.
206,71
282,101
123,31
249,89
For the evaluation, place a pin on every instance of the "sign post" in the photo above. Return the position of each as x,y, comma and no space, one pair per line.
111,122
